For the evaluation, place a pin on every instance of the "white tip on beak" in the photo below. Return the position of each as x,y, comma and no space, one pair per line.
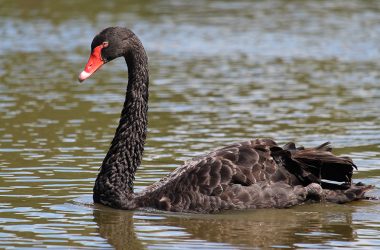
83,76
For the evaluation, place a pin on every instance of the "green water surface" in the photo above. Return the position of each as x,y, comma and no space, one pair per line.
221,71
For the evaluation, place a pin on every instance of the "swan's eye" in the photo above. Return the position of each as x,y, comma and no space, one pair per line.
105,44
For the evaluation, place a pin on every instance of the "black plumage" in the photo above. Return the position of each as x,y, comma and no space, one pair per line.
253,174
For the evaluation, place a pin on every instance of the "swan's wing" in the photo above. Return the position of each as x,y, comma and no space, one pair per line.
244,163
256,173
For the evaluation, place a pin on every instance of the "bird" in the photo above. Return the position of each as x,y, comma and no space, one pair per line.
252,174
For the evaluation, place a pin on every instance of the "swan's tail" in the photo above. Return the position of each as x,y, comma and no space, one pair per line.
319,165
324,165
354,192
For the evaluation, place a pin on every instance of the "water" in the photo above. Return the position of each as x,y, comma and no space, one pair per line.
220,72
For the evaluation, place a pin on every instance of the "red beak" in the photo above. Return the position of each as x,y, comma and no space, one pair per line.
94,63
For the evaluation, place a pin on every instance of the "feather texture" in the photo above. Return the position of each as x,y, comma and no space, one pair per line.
253,174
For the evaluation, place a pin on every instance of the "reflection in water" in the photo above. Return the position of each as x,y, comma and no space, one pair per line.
118,228
303,226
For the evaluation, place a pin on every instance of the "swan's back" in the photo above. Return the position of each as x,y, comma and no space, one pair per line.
254,174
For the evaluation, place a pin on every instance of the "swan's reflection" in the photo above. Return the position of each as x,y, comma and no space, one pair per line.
312,224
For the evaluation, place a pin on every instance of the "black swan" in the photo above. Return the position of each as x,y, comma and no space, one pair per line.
253,174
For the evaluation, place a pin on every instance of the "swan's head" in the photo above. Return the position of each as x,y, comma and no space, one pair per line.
109,44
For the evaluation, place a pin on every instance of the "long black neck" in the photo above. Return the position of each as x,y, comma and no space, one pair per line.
114,183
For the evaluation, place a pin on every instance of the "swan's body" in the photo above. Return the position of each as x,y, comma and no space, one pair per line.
252,174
